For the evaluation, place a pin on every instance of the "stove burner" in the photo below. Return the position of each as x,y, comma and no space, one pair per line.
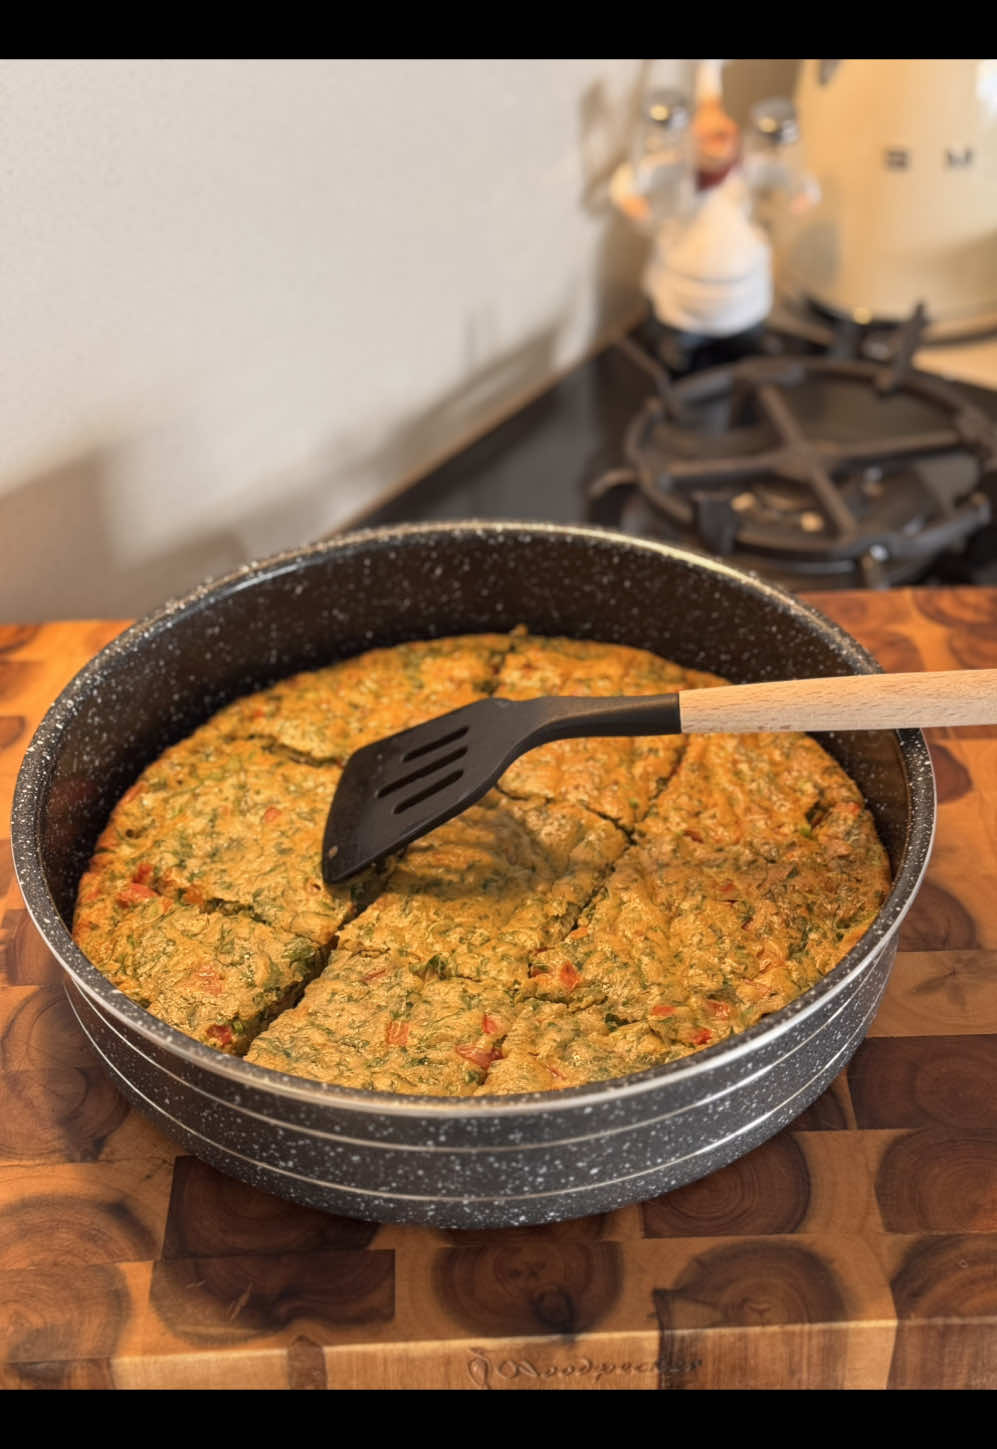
805,321
830,470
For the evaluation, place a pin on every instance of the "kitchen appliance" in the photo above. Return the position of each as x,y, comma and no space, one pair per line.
905,154
483,1161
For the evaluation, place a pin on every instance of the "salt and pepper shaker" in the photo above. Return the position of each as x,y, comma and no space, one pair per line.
659,181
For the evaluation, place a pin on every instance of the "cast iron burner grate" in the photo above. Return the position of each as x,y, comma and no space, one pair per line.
821,471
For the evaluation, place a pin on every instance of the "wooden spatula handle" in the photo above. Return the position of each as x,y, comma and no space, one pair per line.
845,702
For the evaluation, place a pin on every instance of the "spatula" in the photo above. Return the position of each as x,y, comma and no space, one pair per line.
398,788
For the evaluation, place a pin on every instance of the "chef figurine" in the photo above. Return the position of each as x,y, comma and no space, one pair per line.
694,187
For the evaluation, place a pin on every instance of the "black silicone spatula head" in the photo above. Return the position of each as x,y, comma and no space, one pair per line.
397,789
401,787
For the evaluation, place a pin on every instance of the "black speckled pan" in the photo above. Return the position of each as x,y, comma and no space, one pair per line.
485,1162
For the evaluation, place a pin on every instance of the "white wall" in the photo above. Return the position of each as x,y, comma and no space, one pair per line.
238,299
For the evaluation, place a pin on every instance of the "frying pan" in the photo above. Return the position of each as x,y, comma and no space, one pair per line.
484,1162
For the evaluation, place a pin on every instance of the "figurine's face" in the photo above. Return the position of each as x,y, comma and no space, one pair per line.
717,141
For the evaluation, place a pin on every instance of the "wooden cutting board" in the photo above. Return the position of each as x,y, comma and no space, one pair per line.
856,1249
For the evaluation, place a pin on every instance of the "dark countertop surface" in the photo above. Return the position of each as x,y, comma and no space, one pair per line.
537,463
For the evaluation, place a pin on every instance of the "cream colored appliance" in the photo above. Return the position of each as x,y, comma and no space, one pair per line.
905,152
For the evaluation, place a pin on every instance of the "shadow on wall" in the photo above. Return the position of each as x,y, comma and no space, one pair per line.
62,554
488,391
62,557
606,135
58,558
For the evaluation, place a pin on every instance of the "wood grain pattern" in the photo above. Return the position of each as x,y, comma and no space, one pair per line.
861,701
936,1180
856,1249
755,1287
767,1192
535,1286
945,1292
925,1080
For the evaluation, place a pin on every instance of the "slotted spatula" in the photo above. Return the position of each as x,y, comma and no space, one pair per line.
398,788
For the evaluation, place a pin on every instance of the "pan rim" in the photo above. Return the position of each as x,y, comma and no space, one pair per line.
467,1199
662,1113
31,794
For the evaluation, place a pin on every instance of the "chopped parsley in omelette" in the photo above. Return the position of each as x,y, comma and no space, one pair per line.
613,904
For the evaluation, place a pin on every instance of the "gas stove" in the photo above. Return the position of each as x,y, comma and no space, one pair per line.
812,452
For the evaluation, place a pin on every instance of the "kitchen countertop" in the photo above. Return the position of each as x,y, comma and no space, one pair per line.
858,1248
974,362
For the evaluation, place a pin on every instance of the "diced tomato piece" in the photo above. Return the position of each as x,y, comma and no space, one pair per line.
133,893
272,813
719,1008
701,1037
480,1056
568,976
209,978
397,1033
662,1010
220,1033
143,872
490,1026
